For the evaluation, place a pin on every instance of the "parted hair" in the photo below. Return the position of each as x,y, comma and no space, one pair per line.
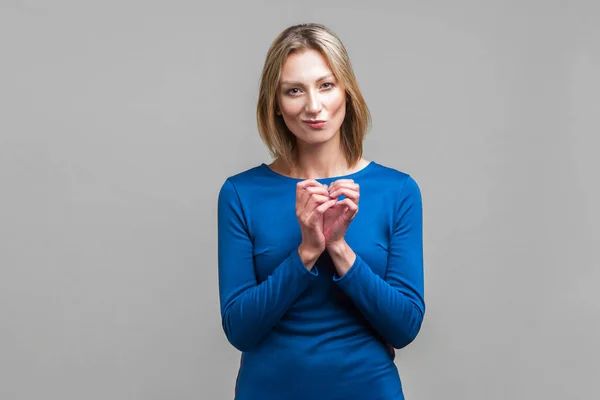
279,140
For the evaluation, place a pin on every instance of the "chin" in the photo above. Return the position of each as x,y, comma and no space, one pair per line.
314,138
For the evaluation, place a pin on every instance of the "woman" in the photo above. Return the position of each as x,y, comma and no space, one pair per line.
313,292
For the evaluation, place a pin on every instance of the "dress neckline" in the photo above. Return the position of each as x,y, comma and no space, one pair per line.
352,175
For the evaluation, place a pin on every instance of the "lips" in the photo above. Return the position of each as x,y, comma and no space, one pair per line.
315,123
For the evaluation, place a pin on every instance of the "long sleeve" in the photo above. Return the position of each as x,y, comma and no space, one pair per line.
250,309
394,306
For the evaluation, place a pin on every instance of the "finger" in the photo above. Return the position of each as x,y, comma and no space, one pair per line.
343,181
318,194
300,186
315,200
351,208
348,185
307,182
303,201
349,193
317,189
320,210
314,190
340,181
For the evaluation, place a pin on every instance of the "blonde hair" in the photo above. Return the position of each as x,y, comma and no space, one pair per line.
273,131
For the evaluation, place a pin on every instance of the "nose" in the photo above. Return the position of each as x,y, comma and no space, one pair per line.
313,103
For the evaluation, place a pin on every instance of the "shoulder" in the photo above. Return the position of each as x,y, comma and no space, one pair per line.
243,178
401,181
246,175
404,195
245,184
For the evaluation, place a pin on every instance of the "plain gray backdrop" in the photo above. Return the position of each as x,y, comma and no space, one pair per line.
120,120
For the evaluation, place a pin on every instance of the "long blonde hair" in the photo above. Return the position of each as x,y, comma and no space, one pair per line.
273,131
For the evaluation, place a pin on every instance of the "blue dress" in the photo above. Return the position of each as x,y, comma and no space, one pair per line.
309,334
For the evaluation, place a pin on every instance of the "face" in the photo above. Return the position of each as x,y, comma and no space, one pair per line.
311,102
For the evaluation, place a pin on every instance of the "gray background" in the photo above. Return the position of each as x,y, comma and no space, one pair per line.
121,119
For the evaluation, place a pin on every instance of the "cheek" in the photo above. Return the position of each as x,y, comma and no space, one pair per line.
337,102
290,109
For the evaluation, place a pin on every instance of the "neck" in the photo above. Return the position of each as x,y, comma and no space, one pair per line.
320,161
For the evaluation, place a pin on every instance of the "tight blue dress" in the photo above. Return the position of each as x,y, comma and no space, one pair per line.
310,334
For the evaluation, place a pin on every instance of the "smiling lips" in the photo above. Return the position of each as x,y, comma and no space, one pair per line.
315,123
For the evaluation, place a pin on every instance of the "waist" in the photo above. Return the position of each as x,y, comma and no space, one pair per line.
349,367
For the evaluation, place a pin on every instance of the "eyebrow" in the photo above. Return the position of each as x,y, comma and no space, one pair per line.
328,76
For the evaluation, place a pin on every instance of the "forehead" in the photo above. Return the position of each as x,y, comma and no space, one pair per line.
305,65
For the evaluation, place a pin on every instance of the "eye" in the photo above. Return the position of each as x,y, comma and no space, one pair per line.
292,91
330,85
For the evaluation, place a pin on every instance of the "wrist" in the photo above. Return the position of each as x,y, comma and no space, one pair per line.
342,255
337,248
308,256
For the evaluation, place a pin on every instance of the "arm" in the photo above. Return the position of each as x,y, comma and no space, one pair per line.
249,310
395,305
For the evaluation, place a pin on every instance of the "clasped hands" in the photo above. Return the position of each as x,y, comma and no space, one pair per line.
323,218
